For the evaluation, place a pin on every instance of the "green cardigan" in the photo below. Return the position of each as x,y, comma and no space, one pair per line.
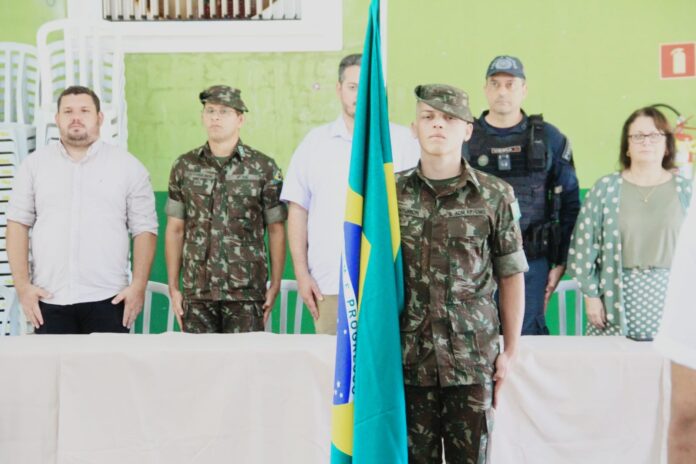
594,258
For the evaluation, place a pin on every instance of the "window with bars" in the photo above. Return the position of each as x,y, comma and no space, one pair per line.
195,26
201,10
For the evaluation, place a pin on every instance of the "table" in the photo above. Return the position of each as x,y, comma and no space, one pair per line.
583,400
265,398
171,398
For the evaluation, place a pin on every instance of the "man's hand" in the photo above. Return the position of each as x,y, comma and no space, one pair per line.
29,296
502,366
271,295
177,301
309,291
594,308
133,297
555,275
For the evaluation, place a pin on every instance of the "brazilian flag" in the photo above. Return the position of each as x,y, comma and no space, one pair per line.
369,416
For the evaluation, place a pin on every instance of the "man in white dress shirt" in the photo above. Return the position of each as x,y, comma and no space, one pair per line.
315,190
677,341
81,198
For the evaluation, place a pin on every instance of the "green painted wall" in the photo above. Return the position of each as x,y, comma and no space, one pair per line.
589,64
20,19
287,94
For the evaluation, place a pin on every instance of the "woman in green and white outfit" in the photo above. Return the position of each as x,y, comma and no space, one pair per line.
624,239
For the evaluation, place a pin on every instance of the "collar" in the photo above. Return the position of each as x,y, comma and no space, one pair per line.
520,127
338,129
238,151
91,151
467,176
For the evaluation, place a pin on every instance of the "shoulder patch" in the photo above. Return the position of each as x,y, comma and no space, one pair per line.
567,152
515,210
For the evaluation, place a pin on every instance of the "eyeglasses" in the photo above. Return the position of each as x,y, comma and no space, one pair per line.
653,137
222,112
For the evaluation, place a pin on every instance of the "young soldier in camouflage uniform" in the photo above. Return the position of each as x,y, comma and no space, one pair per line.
459,236
222,196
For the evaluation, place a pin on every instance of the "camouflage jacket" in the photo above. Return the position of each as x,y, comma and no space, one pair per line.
455,241
226,207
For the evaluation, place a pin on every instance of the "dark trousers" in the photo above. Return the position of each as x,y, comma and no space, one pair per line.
534,322
82,318
202,316
458,416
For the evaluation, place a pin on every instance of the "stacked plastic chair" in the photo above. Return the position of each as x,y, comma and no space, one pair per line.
19,89
12,319
19,92
81,53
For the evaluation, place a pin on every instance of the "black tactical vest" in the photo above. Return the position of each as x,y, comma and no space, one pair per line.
521,160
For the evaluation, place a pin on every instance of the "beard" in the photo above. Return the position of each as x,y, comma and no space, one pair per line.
80,139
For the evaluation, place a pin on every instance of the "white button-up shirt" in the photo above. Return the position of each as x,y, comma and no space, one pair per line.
81,213
317,180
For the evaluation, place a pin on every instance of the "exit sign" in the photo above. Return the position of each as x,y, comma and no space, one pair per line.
678,60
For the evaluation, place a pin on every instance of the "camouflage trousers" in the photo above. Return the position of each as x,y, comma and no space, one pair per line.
458,416
201,316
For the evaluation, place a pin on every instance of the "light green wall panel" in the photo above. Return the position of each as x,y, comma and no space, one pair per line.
20,19
589,64
287,94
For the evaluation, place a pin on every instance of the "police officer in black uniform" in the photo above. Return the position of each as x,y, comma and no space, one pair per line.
536,159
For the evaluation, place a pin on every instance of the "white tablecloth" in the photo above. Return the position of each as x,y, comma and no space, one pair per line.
599,400
264,398
173,398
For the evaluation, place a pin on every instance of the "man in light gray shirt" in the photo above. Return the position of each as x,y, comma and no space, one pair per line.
315,189
81,198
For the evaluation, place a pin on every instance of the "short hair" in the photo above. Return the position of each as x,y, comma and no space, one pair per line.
661,124
347,62
79,90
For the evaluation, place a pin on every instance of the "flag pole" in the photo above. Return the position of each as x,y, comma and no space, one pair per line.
383,36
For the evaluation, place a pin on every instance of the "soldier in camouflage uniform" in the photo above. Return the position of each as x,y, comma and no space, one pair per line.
459,236
222,196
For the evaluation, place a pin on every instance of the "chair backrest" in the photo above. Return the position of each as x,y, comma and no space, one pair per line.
19,83
161,289
80,53
564,287
287,287
12,319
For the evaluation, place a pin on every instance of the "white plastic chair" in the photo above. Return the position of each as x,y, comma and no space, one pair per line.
161,289
12,319
564,287
9,298
19,94
287,286
81,53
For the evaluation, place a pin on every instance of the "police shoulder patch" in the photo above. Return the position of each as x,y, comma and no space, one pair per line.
567,152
